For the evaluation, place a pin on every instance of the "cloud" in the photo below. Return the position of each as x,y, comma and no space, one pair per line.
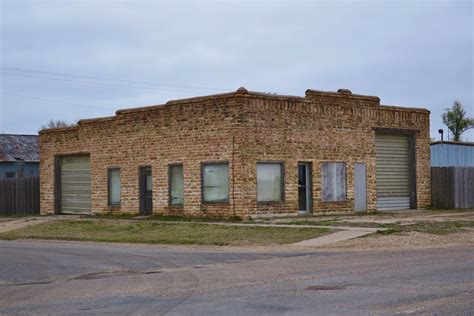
407,53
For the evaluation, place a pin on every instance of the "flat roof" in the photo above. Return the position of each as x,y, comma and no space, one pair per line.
341,93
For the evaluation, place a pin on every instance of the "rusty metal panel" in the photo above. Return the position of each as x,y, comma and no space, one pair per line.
334,181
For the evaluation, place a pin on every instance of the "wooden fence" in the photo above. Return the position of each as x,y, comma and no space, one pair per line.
19,196
452,187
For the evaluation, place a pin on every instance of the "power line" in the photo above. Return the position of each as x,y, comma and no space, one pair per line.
95,83
107,79
79,81
104,80
52,100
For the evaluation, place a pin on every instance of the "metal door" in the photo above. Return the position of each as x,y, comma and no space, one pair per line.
146,191
304,187
360,187
75,184
392,171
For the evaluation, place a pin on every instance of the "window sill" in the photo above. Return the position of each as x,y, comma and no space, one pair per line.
176,205
216,203
281,203
334,202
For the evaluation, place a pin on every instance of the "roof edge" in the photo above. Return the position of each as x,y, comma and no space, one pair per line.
58,129
138,109
207,97
6,134
239,92
403,108
448,142
96,119
341,93
275,96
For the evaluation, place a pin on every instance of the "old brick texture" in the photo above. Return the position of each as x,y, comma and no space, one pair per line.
241,128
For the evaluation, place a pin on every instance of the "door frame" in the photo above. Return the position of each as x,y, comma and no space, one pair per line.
142,173
309,187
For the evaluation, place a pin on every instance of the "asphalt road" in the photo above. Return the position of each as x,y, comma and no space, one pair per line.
39,277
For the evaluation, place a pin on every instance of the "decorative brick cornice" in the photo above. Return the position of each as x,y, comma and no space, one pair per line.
404,109
314,101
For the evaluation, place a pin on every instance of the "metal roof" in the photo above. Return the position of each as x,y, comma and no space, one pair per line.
19,147
452,143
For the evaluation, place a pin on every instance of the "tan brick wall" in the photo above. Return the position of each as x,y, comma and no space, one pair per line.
326,127
241,128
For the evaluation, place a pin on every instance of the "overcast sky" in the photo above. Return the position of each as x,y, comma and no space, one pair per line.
78,59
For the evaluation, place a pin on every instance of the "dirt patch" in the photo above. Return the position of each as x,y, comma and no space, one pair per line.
5,219
382,217
407,240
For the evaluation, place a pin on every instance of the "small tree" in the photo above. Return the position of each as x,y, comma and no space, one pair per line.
457,121
55,124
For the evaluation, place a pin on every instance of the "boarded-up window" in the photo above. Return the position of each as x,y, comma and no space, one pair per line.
176,185
269,182
215,186
334,181
114,186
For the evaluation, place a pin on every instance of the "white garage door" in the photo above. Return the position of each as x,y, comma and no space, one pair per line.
75,184
393,173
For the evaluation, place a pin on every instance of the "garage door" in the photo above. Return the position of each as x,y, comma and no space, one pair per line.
393,174
75,184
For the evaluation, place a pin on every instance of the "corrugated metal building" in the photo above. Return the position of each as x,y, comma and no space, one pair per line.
452,174
452,154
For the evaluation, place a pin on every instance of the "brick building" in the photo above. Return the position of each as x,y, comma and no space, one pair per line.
241,153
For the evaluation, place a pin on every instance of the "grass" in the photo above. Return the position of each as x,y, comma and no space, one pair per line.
157,232
332,222
169,218
164,218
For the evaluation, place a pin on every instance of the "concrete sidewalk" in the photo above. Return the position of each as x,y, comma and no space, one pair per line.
23,222
333,238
